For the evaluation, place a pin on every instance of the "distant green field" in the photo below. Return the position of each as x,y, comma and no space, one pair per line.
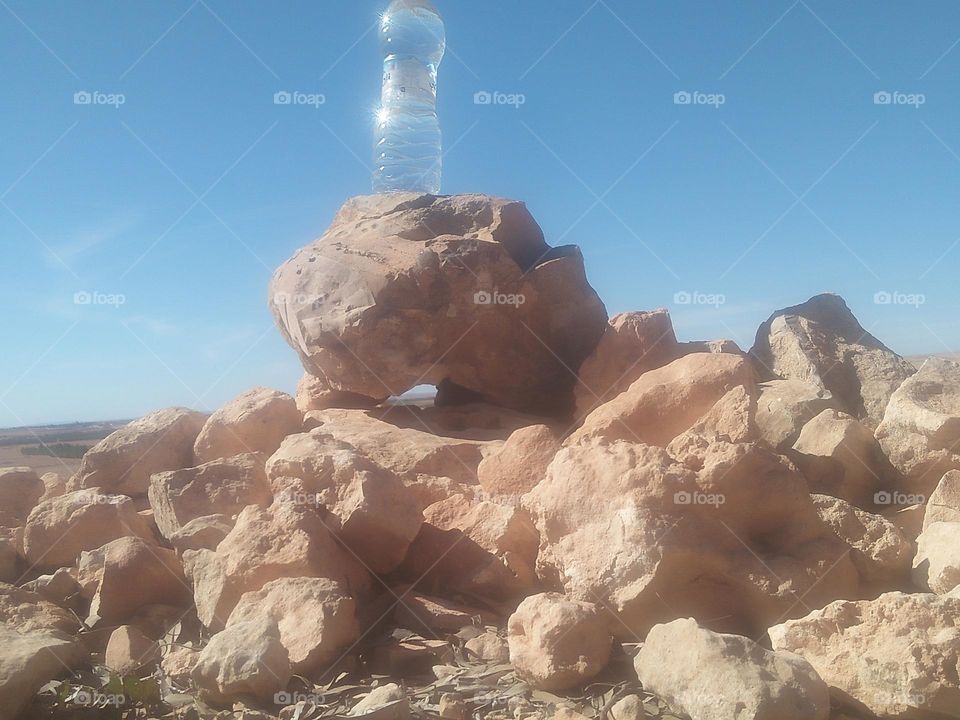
58,450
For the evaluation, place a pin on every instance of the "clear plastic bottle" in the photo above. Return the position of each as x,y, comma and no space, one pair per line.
408,153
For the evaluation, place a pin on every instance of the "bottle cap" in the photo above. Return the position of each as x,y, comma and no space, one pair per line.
425,4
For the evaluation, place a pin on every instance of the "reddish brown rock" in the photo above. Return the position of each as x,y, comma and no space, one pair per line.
520,463
313,394
20,491
130,652
255,422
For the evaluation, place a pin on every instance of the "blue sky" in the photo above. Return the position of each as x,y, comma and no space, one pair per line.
186,196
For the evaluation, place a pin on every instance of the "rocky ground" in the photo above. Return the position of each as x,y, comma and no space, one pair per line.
594,520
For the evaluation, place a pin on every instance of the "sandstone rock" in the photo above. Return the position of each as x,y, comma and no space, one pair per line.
897,655
944,503
178,663
556,643
710,676
129,651
220,487
314,393
202,533
488,647
723,345
628,708
27,611
11,553
389,702
666,402
936,567
734,545
785,406
20,491
632,344
53,486
421,613
246,660
266,544
255,422
315,617
840,457
128,574
920,432
731,420
881,552
520,463
374,513
822,343
58,530
124,461
29,661
408,289
59,588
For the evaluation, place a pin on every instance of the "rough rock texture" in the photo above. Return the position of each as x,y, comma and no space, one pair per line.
373,512
129,651
267,544
920,432
30,660
314,394
710,676
880,551
556,643
408,289
520,463
936,566
20,490
633,343
124,461
734,544
28,611
178,663
58,530
255,422
220,487
246,660
785,406
944,503
896,655
666,402
202,533
128,574
840,457
386,702
315,616
821,342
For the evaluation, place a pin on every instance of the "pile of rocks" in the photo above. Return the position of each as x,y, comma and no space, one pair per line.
768,535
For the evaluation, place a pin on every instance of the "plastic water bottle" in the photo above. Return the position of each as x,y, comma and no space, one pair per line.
408,153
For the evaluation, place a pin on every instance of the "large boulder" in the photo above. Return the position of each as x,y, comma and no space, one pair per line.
936,566
666,402
124,461
315,394
520,463
59,530
255,422
315,616
633,343
896,656
557,643
944,504
840,457
28,611
785,406
374,513
20,490
29,661
220,487
735,544
710,676
406,289
130,652
920,432
822,343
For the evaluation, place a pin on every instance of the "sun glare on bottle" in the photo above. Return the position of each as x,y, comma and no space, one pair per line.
381,115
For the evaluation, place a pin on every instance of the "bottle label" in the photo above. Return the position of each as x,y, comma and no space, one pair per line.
408,81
